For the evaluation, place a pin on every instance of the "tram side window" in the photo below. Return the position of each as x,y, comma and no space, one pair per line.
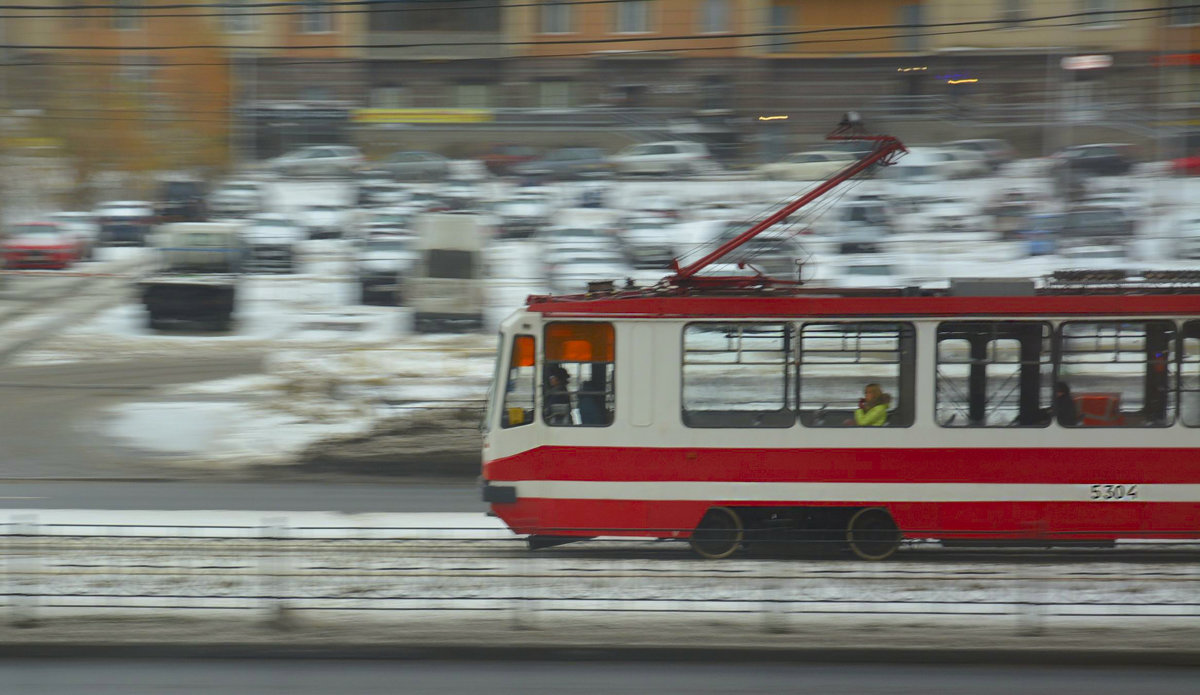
736,375
578,378
994,374
838,361
1118,373
520,384
1189,382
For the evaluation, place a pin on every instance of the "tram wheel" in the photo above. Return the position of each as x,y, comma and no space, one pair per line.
719,533
872,534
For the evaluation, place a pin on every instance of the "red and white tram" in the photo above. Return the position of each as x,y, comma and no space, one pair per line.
724,410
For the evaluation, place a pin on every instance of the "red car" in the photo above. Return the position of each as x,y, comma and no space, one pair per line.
39,245
1187,166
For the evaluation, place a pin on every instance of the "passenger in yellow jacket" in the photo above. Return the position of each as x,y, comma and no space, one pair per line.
873,408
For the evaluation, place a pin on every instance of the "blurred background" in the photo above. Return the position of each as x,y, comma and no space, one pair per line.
253,256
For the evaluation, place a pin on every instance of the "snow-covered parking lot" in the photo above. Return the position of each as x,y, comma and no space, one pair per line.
334,367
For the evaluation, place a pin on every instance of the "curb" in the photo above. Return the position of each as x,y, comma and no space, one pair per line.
1032,656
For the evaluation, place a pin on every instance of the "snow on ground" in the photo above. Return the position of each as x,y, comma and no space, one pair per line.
333,366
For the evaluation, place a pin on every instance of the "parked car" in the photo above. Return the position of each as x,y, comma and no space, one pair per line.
181,199
1095,225
648,242
807,166
922,165
236,199
566,163
83,226
270,242
995,152
318,160
1102,159
373,192
966,163
416,166
382,264
502,158
39,245
1186,166
572,274
673,157
324,221
523,214
125,222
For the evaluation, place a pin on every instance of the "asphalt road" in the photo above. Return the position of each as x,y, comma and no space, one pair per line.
314,676
377,496
44,411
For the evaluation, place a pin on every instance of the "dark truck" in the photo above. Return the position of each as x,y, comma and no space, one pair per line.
182,200
197,280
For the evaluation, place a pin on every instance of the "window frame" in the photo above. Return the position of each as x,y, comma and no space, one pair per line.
316,17
1046,361
1171,398
782,418
906,377
1185,330
239,19
715,9
503,404
128,15
610,377
644,9
556,17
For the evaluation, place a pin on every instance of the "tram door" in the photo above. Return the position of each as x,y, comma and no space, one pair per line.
994,374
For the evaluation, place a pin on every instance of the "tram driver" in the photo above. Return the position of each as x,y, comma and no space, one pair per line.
558,398
873,408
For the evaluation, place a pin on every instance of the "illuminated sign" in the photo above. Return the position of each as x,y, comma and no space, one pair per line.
421,116
1094,62
772,118
968,80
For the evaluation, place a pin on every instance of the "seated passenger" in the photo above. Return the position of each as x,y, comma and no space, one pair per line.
1064,405
873,408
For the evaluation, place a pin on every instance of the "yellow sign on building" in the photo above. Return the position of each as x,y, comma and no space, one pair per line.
421,116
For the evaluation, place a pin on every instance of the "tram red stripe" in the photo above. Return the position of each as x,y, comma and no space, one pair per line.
818,306
1049,465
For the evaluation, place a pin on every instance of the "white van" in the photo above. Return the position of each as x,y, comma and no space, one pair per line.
445,287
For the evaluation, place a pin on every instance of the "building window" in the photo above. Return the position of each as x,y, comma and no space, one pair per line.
840,362
239,19
1100,12
127,16
633,16
578,379
554,17
1012,12
473,96
1116,374
315,17
1182,13
780,19
714,16
994,374
1189,375
520,385
912,29
555,94
736,375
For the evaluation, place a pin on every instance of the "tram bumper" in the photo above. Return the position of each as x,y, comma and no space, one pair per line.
498,494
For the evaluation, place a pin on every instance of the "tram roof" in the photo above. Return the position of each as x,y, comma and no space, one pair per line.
1073,299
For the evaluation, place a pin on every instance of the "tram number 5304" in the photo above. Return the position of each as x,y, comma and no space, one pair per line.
1113,493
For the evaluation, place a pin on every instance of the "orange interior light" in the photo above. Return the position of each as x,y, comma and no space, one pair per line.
579,342
523,351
